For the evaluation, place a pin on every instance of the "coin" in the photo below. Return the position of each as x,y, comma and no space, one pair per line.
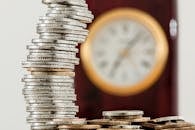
121,113
69,121
126,126
107,122
61,20
169,118
68,2
76,127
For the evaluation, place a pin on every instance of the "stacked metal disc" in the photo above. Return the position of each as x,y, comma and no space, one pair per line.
73,124
49,86
121,120
168,123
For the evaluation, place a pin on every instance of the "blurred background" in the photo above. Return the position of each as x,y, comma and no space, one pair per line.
166,95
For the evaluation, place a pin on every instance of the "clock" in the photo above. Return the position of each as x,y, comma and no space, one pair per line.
125,53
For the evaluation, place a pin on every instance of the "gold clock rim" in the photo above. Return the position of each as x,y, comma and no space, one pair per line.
161,53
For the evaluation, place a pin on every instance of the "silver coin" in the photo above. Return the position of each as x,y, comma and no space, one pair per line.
27,91
49,116
51,104
49,87
49,83
50,51
54,58
61,26
52,95
76,17
39,91
47,80
48,101
71,11
67,2
126,127
53,42
46,87
43,41
60,31
71,121
64,113
40,113
43,124
49,59
38,120
27,64
61,6
166,119
48,97
65,6
44,93
67,55
47,56
43,127
65,94
50,34
60,20
53,109
64,116
122,113
54,46
38,88
68,9
28,76
78,38
52,37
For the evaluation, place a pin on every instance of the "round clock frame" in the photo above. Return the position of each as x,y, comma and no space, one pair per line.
161,51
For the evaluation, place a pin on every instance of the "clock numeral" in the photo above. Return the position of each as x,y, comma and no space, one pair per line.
112,31
150,51
146,64
99,53
125,28
103,40
103,64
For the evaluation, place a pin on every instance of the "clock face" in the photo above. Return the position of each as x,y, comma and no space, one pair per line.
125,52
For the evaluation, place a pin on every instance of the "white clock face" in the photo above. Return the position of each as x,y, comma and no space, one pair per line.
123,52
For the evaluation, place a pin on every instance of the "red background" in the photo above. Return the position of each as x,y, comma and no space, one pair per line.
159,100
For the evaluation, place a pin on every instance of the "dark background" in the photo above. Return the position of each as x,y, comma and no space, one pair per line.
159,100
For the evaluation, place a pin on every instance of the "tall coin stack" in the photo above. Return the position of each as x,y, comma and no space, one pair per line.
49,86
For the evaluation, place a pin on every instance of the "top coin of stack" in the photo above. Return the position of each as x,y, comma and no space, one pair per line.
121,120
49,87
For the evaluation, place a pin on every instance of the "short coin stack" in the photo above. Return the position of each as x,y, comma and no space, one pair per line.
121,120
49,87
168,123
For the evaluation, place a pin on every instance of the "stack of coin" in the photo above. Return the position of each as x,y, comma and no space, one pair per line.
121,120
168,123
49,86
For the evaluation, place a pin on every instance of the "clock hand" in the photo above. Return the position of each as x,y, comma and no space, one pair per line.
132,42
115,66
121,56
